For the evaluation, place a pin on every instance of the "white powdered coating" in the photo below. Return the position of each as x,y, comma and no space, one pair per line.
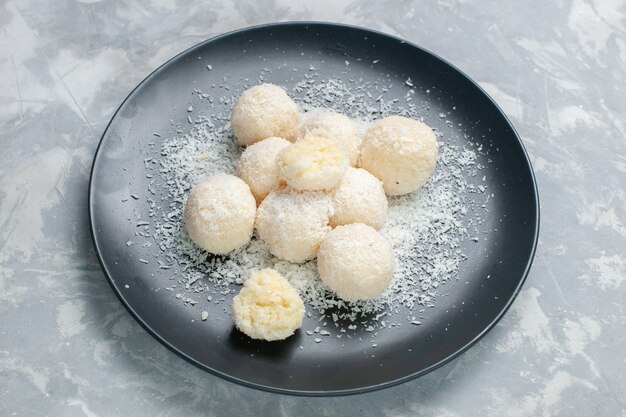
264,111
219,213
257,166
338,127
356,262
424,227
399,151
359,198
293,223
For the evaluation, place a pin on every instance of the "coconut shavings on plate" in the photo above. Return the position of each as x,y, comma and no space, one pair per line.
425,227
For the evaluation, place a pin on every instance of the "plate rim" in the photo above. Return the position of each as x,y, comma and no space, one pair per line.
316,393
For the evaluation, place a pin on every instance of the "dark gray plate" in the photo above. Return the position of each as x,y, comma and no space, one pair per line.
459,319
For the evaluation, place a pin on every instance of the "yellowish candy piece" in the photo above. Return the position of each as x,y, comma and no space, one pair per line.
293,223
315,162
257,166
338,127
356,262
400,152
359,198
268,307
264,111
220,213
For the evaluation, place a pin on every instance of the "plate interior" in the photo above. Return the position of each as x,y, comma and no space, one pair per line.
467,307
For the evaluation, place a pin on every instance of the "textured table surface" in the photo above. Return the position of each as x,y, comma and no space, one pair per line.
69,348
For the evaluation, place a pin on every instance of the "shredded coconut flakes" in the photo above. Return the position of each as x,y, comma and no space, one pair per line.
425,228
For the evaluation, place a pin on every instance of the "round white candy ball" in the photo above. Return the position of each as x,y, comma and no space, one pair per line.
337,126
219,213
264,111
359,198
257,166
356,262
268,307
293,223
401,152
315,162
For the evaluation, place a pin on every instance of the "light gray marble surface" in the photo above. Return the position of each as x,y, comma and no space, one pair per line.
69,348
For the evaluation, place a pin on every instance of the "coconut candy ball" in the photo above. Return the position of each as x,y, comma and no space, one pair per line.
257,166
315,162
264,111
219,213
338,127
359,198
268,307
401,152
356,262
293,223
